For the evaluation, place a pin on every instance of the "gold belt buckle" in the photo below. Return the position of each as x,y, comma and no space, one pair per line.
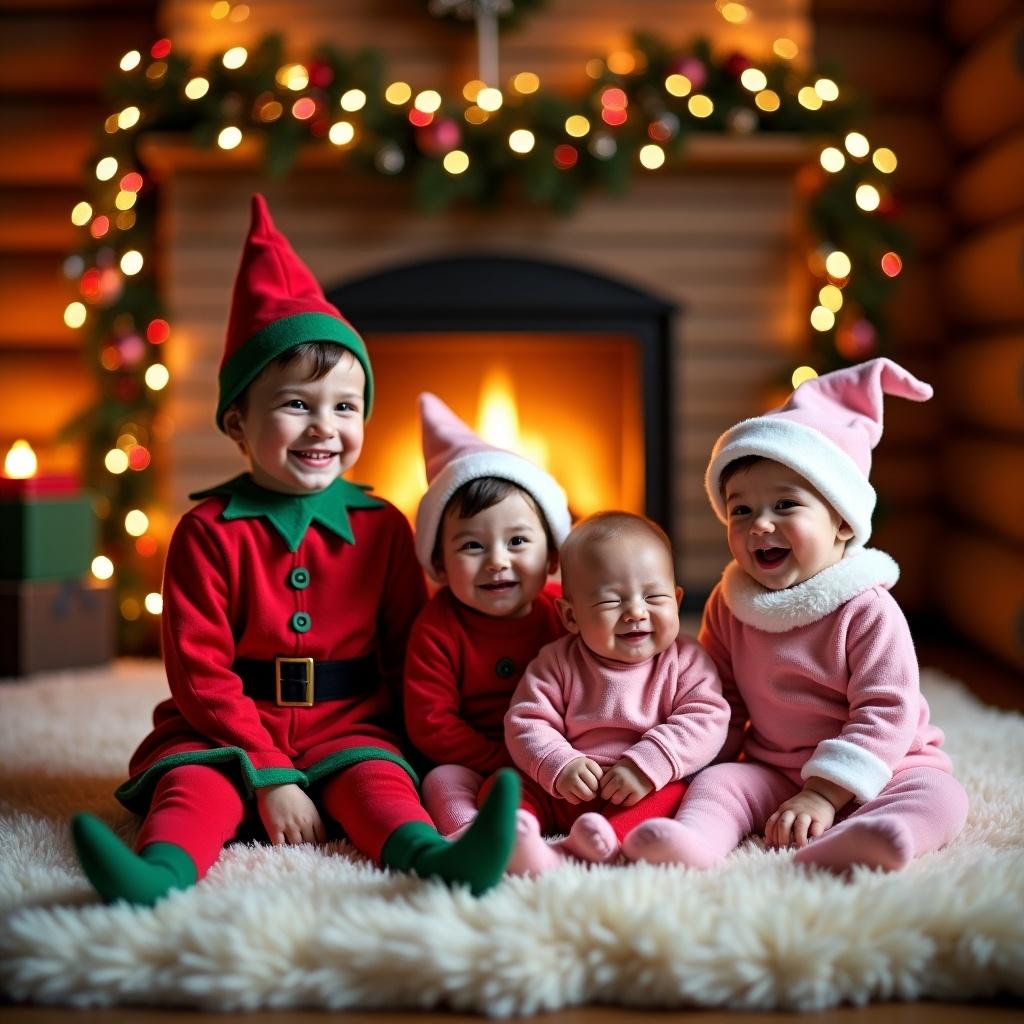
281,703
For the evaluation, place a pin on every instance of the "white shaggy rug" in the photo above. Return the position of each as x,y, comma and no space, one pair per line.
306,927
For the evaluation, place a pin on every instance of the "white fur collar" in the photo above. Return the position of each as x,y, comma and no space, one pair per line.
778,611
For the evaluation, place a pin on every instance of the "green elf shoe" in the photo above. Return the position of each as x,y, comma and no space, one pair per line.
117,873
477,858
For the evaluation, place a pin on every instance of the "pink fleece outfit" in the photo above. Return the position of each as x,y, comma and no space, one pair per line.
823,681
666,714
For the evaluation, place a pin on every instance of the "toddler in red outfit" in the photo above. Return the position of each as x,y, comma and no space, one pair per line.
488,530
288,598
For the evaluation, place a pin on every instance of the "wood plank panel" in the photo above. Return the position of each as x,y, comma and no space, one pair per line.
983,382
39,393
983,479
915,314
409,31
919,141
37,220
910,539
53,141
78,53
985,276
991,186
33,294
874,56
985,94
981,589
967,20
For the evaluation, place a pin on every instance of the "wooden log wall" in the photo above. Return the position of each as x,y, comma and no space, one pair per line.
54,55
872,44
980,563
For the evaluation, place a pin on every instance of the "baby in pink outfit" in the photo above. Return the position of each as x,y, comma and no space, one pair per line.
607,721
837,756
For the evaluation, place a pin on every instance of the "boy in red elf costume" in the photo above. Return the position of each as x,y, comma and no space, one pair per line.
289,594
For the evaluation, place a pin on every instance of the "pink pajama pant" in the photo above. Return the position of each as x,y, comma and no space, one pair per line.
919,810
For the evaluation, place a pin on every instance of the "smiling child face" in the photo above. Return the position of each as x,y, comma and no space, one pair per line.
780,530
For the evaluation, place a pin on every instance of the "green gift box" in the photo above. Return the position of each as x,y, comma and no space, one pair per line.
46,537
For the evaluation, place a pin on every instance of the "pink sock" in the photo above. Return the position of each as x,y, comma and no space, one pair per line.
449,794
531,855
875,842
590,838
667,841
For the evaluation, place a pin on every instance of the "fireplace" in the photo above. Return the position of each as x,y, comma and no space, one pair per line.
568,367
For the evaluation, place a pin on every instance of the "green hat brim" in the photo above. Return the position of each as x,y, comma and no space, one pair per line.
280,336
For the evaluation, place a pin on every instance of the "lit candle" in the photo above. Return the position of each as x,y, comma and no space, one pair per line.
21,479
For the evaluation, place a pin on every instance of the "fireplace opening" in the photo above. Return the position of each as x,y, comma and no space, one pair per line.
567,367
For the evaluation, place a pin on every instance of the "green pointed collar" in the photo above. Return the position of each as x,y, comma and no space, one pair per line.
291,514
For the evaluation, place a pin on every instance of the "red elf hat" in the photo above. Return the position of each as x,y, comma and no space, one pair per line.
277,304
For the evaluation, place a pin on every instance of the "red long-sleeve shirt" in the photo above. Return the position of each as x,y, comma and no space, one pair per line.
461,670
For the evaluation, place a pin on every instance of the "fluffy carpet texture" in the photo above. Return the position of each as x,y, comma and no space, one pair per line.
320,927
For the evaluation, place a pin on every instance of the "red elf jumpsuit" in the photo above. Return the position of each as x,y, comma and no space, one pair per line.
252,574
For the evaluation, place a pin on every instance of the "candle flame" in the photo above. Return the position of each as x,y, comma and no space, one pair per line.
20,462
498,419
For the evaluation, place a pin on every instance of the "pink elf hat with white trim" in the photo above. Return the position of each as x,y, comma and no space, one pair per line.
825,432
454,455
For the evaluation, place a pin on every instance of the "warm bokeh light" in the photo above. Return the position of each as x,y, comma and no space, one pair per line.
652,157
74,315
455,162
341,133
832,159
808,98
822,318
831,297
292,76
131,262
700,106
489,99
472,89
801,374
229,138
428,101
116,461
884,159
398,93
785,48
867,197
622,62
102,567
235,57
20,462
154,603
768,100
526,82
353,100
106,168
136,523
196,88
577,126
129,117
157,377
521,141
837,265
753,79
130,60
857,145
827,89
81,214
678,85
734,13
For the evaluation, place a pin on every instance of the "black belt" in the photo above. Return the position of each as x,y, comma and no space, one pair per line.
303,682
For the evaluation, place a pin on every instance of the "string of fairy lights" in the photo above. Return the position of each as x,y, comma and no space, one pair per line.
634,112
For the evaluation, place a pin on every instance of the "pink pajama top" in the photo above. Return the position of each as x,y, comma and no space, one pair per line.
666,714
822,677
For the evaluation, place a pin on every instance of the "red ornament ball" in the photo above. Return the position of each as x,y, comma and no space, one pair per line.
440,137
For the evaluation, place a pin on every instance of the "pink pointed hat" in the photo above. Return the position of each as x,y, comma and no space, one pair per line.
825,432
454,455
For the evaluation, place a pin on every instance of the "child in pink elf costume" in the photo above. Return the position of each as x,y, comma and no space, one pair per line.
838,756
488,529
607,722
